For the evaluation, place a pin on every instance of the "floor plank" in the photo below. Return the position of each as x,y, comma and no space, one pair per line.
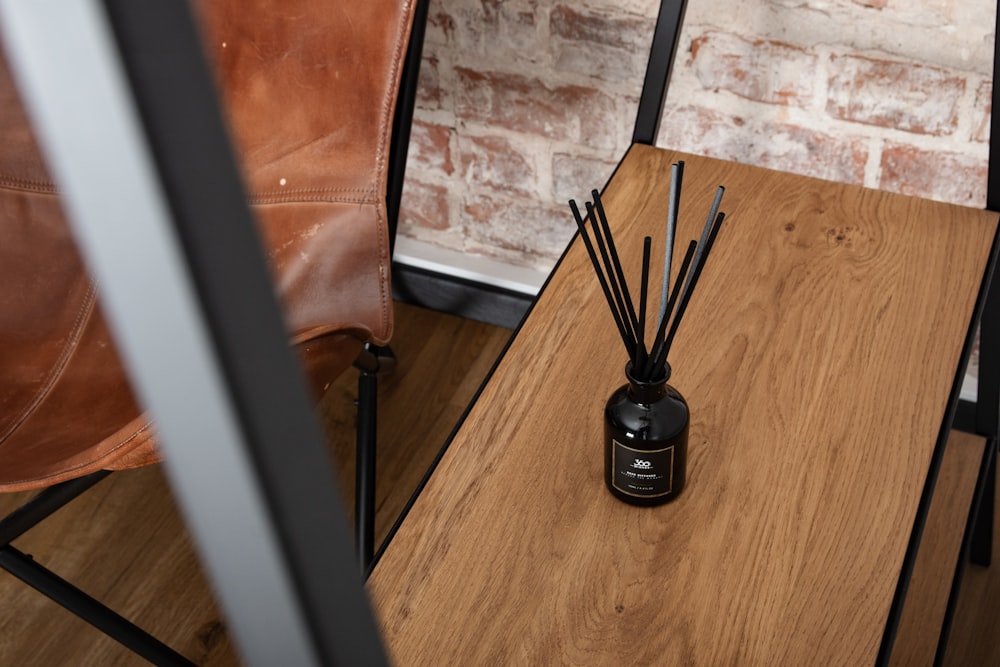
124,543
975,632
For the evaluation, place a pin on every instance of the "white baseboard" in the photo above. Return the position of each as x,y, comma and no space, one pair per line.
970,388
423,255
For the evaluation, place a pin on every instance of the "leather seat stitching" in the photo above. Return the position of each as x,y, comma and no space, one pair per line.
76,333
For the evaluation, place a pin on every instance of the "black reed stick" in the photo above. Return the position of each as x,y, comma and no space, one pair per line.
647,244
648,362
600,277
613,251
661,357
673,206
649,372
616,289
706,230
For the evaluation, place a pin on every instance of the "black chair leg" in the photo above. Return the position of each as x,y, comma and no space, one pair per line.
981,549
372,362
44,504
59,590
364,495
97,614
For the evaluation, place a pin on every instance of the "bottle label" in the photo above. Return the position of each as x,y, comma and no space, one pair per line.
645,474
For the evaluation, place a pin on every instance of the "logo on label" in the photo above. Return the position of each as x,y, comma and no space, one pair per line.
646,473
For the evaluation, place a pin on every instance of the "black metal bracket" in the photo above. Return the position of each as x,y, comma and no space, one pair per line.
982,498
43,504
86,607
403,119
24,567
981,538
662,54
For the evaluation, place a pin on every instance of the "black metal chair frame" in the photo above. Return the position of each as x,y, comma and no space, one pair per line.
981,417
375,360
372,362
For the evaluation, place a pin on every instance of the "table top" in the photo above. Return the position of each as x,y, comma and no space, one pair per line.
817,357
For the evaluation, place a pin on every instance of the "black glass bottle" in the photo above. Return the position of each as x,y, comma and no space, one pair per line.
645,441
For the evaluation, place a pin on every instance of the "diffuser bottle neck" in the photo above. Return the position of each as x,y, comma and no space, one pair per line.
647,391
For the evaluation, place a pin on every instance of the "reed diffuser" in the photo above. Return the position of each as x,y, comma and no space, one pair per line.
646,420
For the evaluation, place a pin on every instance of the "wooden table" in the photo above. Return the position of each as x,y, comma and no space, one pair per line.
818,357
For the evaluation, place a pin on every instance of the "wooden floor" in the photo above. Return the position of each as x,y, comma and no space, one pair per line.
124,543
975,634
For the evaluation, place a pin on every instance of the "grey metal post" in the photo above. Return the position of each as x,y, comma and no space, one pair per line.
122,101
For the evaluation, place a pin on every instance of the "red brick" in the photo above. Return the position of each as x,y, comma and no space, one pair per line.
812,153
782,146
519,28
621,31
950,177
886,93
760,70
496,28
425,206
515,230
525,104
429,92
430,149
440,27
496,163
610,47
981,116
600,62
698,129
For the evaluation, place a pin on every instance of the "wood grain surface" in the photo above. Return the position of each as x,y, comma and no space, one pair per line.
125,543
817,357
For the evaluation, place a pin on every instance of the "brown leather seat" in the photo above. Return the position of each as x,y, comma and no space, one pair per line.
309,90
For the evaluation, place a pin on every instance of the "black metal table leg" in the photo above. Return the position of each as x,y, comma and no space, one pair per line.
44,504
97,614
981,550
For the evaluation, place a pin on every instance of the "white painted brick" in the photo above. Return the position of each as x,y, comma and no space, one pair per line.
557,82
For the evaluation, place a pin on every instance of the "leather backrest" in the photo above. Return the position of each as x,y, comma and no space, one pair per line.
308,88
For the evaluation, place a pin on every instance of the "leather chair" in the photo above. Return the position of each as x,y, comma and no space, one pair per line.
309,90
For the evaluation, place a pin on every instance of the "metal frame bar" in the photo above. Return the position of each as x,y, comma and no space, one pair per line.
981,538
402,120
25,568
988,389
367,364
988,392
44,504
86,607
989,462
127,117
662,54
371,363
364,495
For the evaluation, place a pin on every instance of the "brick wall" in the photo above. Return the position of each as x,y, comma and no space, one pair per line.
524,104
